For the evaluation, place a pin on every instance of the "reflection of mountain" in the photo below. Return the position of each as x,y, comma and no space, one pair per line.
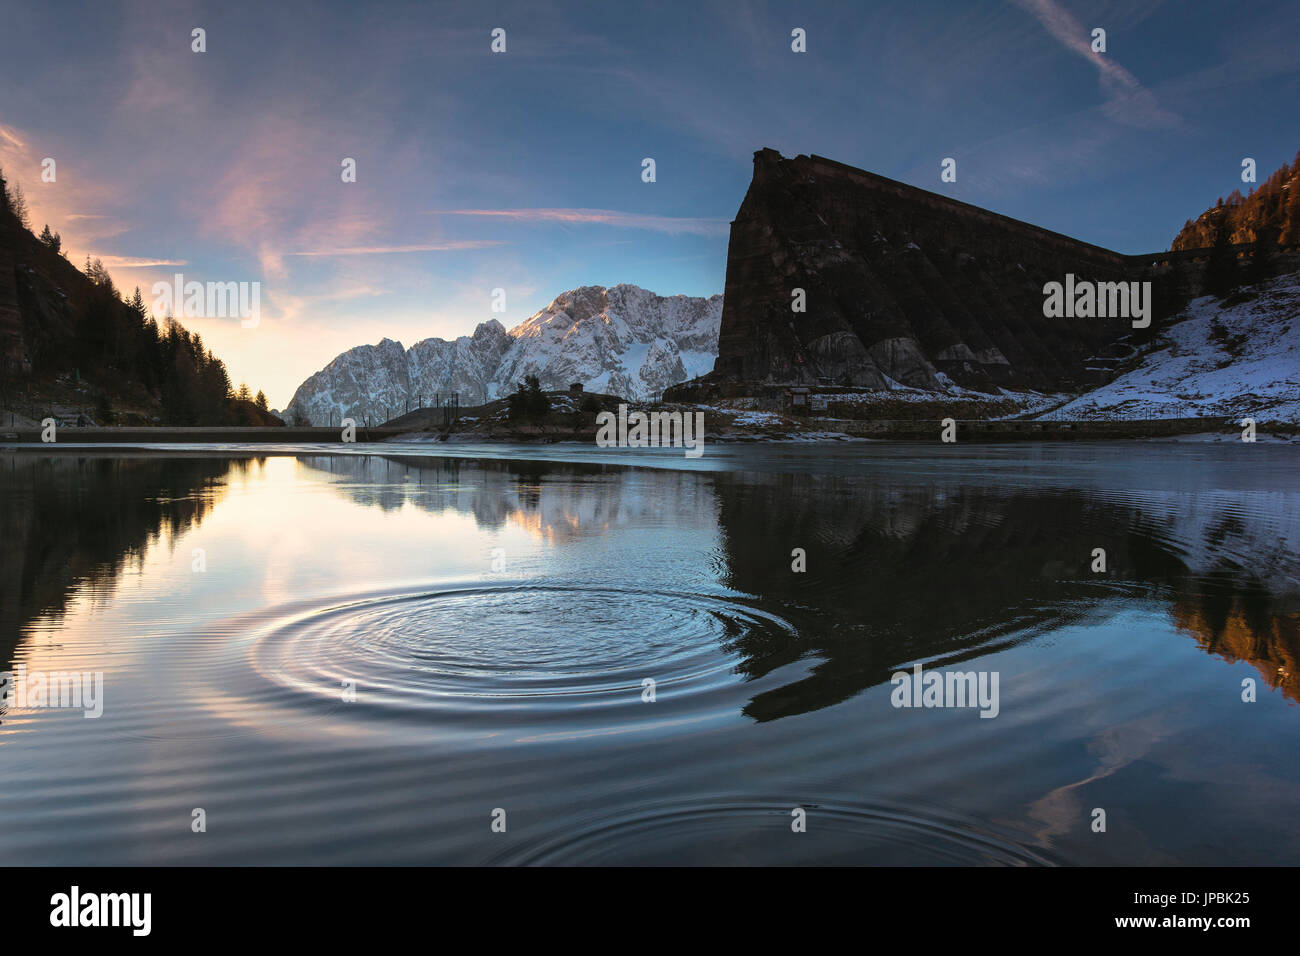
899,572
69,522
553,502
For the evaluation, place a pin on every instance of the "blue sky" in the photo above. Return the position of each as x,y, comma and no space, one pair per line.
522,170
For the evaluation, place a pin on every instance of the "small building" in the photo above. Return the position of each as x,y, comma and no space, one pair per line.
575,389
796,400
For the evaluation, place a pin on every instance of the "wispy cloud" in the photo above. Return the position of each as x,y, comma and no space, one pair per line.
289,308
51,203
450,246
137,262
1127,100
605,217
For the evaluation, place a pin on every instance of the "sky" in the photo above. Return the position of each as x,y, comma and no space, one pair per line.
522,170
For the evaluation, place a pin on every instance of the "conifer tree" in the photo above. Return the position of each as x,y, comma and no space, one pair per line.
1221,268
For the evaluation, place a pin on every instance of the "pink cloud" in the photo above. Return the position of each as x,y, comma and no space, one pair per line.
450,246
137,262
54,203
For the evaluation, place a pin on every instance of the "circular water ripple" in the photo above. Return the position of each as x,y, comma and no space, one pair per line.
743,831
513,646
523,653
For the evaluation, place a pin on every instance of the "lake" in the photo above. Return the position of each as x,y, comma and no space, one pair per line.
568,655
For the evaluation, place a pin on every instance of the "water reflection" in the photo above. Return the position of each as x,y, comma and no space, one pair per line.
72,523
525,685
553,502
899,570
946,572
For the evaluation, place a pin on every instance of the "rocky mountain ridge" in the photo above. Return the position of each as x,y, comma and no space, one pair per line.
622,340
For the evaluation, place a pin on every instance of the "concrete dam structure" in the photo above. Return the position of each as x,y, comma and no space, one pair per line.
898,284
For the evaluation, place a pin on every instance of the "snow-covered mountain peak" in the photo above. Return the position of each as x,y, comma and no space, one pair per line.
623,340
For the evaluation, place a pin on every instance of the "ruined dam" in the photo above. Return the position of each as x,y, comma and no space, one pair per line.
899,284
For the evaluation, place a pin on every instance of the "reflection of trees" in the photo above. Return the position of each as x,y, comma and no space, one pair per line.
1243,624
70,522
907,571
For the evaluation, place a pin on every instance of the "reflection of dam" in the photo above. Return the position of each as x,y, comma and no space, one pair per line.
950,569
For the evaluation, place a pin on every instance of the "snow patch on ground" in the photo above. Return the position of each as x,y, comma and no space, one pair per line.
757,419
1233,362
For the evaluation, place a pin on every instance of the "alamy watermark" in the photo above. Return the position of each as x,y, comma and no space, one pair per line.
76,909
651,430
1084,299
82,690
209,300
946,689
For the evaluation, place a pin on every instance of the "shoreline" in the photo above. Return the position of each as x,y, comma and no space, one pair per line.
813,431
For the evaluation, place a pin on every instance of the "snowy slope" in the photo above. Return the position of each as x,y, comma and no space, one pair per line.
622,340
1242,360
375,382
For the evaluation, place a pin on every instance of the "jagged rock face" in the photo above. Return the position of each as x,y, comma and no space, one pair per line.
375,382
622,340
465,366
900,284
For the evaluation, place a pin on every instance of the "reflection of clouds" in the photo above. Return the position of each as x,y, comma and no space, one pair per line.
226,687
1065,810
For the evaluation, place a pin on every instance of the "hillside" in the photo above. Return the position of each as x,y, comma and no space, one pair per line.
1227,358
1272,210
72,347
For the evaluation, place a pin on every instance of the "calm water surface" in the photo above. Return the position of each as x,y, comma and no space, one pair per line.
498,618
